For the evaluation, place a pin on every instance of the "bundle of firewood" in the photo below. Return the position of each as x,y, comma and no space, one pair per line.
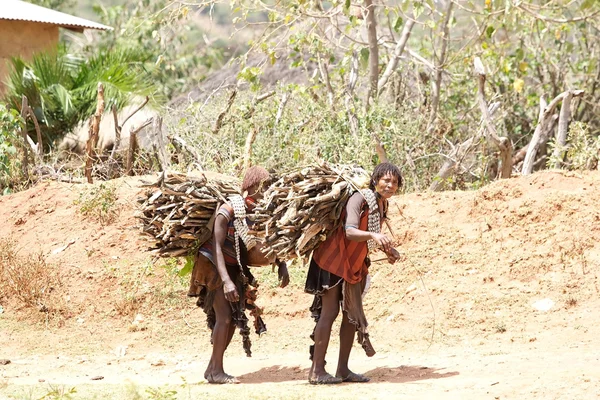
300,209
178,216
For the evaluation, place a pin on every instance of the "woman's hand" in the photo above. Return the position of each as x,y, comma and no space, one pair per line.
383,241
282,273
393,255
230,291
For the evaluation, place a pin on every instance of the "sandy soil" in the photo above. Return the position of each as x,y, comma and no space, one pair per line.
496,297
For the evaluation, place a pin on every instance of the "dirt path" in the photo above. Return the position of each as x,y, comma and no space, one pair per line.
496,297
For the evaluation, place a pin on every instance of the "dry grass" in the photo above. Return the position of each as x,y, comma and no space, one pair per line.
29,280
149,287
99,203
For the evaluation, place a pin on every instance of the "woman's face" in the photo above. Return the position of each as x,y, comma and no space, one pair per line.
387,186
257,191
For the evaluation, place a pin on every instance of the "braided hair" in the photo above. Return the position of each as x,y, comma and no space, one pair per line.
382,170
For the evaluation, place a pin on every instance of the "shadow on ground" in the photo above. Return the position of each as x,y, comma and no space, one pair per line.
275,374
407,373
401,374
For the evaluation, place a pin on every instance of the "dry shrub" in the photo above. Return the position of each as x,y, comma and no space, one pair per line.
99,203
29,280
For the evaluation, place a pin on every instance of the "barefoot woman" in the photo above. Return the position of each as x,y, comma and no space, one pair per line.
339,271
222,281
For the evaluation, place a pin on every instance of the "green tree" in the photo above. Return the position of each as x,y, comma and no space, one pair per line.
61,87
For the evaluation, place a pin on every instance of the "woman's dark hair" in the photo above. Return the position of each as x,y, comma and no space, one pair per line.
254,176
382,170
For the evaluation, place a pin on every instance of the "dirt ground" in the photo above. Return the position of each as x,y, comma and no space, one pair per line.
496,297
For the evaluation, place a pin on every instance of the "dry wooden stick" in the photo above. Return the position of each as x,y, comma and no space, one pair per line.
257,100
40,146
25,159
458,153
563,127
136,110
133,145
219,121
93,136
503,143
248,148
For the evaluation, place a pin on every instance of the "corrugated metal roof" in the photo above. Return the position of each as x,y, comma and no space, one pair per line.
17,10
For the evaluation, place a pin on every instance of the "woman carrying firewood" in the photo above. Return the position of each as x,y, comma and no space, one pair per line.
338,274
221,279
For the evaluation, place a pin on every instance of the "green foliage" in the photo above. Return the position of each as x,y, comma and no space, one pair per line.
157,393
11,124
99,203
59,393
167,44
582,151
61,87
60,5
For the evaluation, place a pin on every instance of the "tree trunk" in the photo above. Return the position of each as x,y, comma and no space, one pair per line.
436,82
373,48
563,128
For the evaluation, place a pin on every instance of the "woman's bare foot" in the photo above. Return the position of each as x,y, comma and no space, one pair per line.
323,379
353,377
220,378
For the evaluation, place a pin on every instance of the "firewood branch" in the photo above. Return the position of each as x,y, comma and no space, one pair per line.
503,143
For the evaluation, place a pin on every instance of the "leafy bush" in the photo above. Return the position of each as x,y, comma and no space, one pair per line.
98,203
61,87
10,125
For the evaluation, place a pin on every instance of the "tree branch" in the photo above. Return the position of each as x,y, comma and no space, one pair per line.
393,63
504,144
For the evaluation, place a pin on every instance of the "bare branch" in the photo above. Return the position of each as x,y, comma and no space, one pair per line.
284,99
248,148
40,146
563,126
393,63
325,77
219,121
557,20
504,144
136,110
545,113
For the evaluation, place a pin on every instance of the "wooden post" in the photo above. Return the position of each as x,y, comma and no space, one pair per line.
93,136
25,160
131,152
40,145
133,145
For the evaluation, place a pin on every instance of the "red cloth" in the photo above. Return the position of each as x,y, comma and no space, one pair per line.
343,257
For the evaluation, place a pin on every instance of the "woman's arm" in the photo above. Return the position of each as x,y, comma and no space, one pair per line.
353,209
219,236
